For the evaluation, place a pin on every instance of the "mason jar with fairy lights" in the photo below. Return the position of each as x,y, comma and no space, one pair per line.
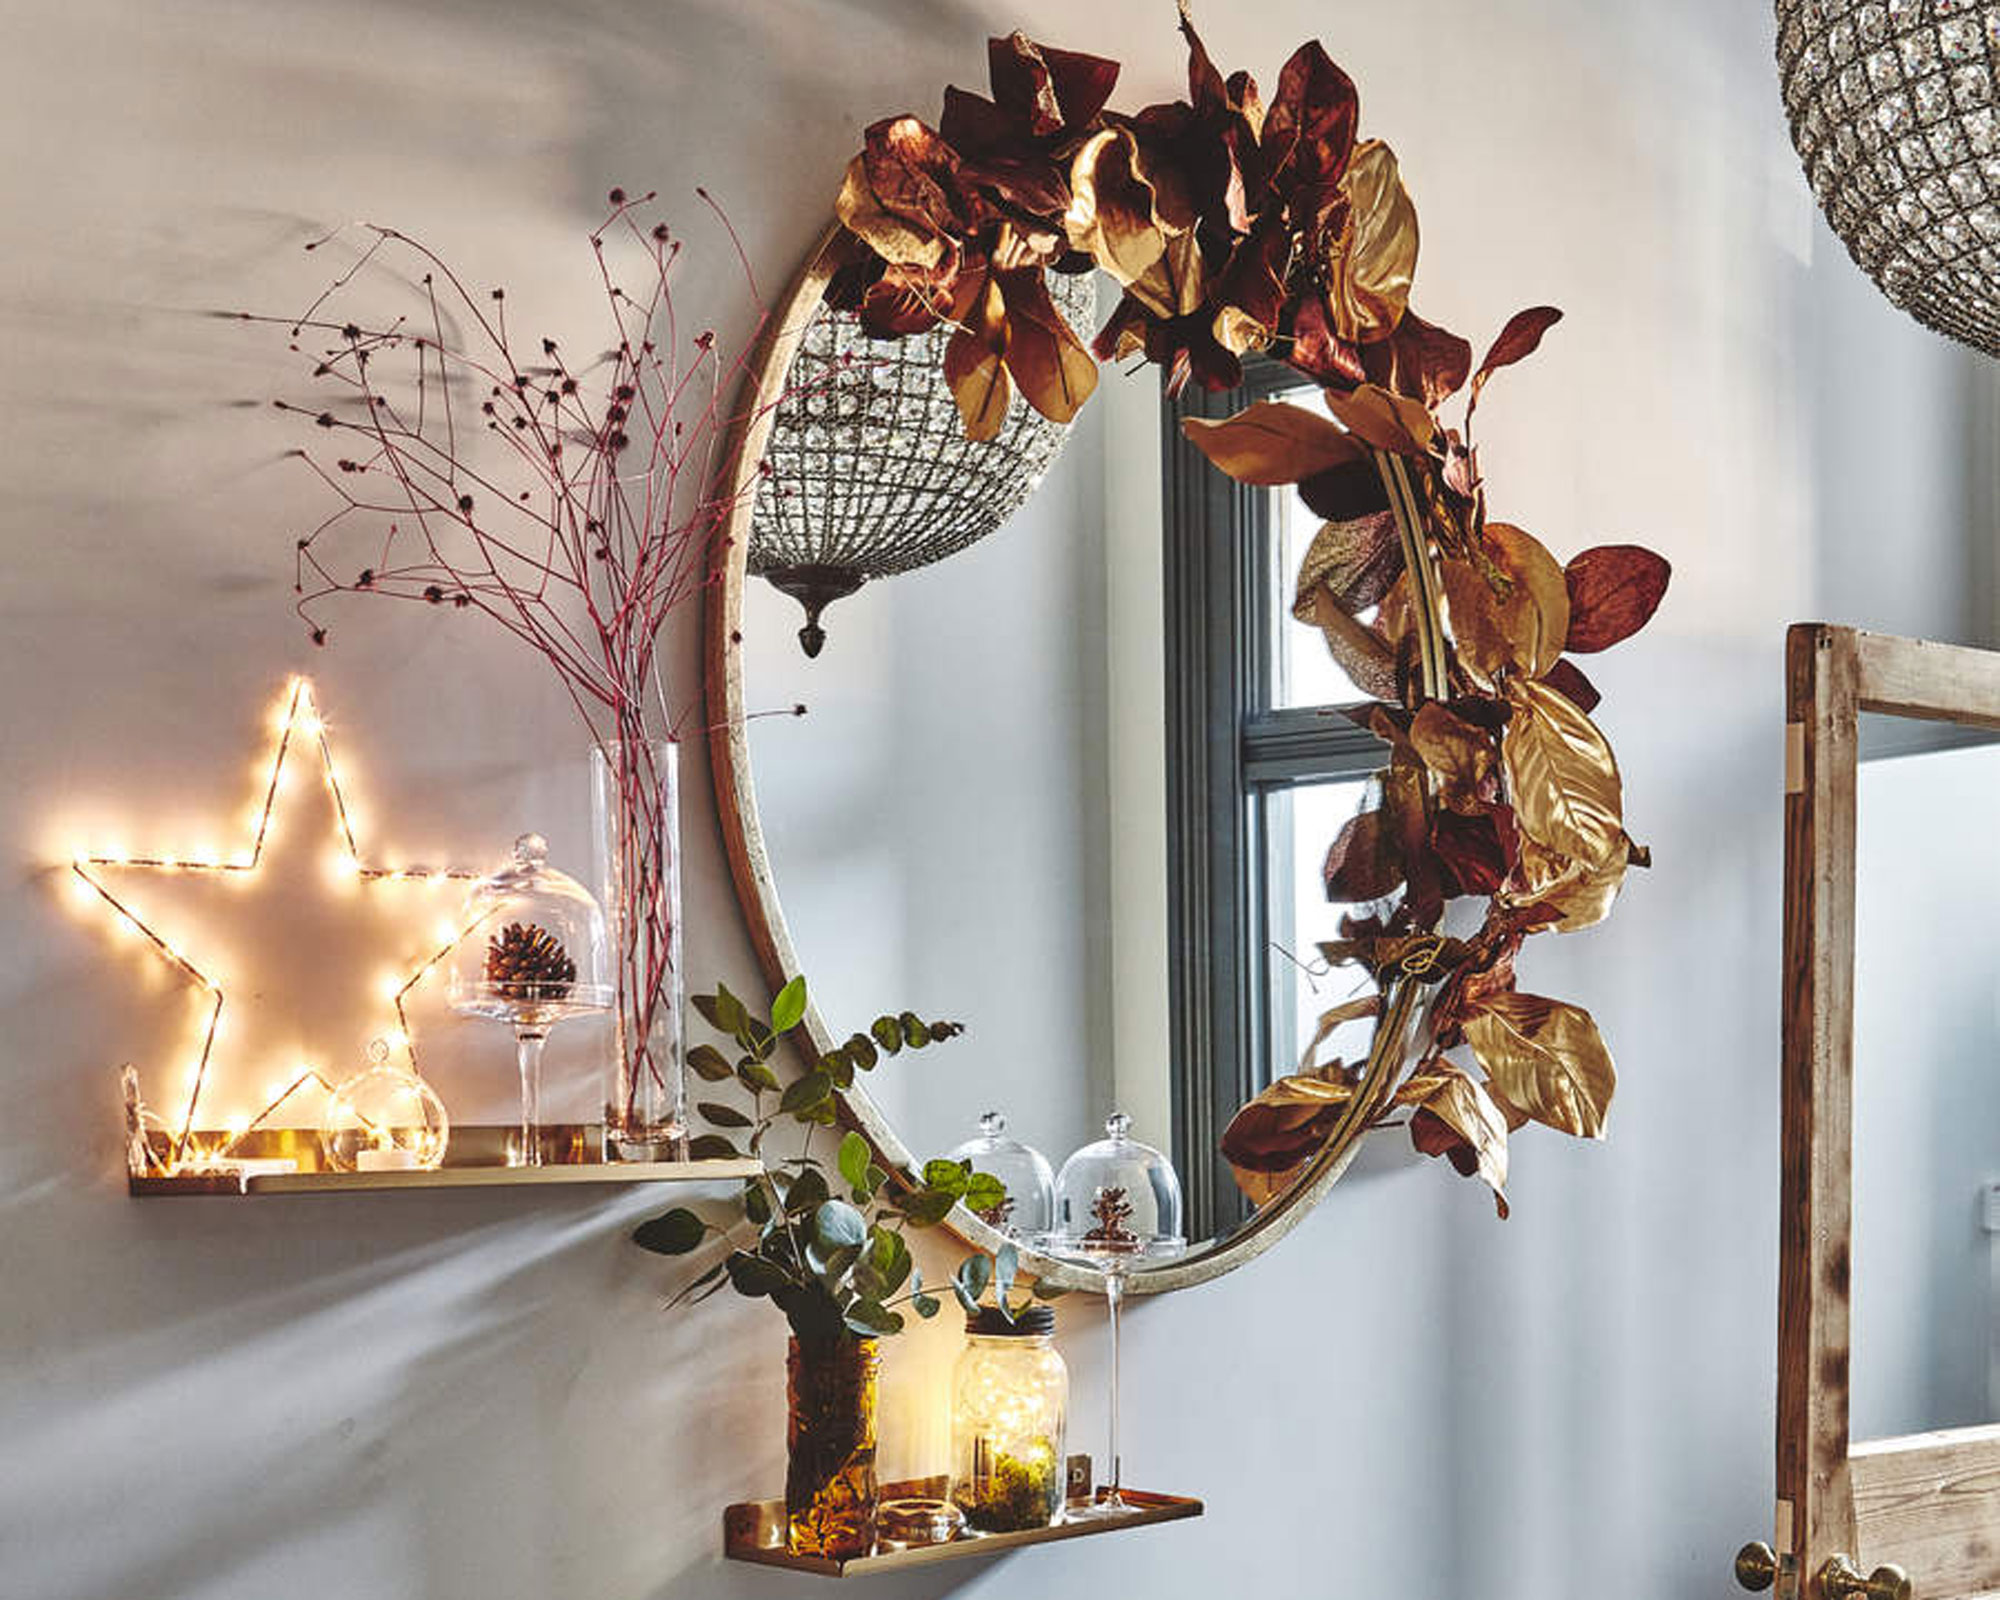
1009,1414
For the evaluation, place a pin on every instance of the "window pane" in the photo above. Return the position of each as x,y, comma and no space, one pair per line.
1303,672
1298,826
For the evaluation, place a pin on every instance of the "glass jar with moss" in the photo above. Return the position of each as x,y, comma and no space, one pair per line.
1009,1406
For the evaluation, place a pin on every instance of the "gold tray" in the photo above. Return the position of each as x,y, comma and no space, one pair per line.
754,1530
476,1159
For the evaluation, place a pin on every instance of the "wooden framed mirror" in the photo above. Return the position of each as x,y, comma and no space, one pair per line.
1911,1511
782,817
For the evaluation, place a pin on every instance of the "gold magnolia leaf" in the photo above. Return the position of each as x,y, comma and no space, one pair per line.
1391,422
1272,442
1546,1057
1369,284
979,383
1460,757
1472,1122
1047,361
891,237
1582,895
1561,775
1540,618
1509,611
1274,1137
1132,216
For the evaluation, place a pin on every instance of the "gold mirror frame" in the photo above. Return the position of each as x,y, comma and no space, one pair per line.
757,890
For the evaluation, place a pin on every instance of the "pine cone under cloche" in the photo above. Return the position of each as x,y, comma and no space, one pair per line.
527,962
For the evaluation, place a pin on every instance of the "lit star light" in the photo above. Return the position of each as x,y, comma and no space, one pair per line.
296,953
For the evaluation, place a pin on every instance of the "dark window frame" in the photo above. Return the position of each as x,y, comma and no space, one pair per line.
1226,751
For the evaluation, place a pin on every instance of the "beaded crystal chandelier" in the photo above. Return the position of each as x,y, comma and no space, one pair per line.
1893,110
869,470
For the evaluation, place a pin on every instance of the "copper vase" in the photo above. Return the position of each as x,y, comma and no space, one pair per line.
830,1492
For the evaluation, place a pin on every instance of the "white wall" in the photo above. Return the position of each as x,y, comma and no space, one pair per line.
476,1395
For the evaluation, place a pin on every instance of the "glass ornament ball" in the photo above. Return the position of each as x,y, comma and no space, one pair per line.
384,1119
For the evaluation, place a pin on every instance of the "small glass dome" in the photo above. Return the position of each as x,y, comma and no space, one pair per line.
535,949
384,1119
1118,1202
1030,1207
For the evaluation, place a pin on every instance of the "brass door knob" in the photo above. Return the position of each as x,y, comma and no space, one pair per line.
1840,1579
1756,1566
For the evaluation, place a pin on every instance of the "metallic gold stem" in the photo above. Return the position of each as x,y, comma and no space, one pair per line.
1426,591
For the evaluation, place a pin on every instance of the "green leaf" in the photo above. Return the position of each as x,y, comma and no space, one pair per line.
970,1281
803,1093
1045,1290
889,1257
915,1034
731,1014
711,1011
926,1306
754,1075
839,1066
1006,1262
984,1192
888,1034
928,1207
861,1049
754,1276
721,1115
789,1008
871,1319
712,1147
708,1063
837,1223
674,1234
756,1202
950,1176
823,1115
807,1193
876,1178
853,1163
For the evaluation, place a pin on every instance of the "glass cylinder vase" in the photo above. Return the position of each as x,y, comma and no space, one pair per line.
830,1488
635,791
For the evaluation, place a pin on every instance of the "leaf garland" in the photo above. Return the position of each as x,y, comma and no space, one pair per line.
1234,225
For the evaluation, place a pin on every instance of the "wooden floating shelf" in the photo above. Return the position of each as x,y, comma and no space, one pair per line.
755,1531
477,1158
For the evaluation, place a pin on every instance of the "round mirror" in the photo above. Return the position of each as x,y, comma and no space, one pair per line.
1007,765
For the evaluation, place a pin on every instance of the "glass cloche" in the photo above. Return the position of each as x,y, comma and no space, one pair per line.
535,949
1030,1207
534,952
1118,1202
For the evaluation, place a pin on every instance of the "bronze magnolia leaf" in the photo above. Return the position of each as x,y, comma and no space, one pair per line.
1357,561
1568,677
1365,861
1271,1138
1054,371
1561,775
1614,589
1309,127
1273,442
1517,340
1368,283
1419,359
978,379
1458,1119
1390,422
1547,1058
1052,91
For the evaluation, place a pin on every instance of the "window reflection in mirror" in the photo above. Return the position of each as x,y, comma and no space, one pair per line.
1926,1270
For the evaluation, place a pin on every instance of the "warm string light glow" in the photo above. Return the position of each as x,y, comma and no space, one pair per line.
295,718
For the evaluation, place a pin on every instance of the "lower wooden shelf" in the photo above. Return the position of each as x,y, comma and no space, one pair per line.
755,1531
476,1159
